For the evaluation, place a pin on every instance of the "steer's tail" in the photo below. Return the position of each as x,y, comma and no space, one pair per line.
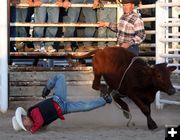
79,56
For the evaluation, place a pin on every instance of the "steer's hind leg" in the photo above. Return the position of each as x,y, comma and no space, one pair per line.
124,106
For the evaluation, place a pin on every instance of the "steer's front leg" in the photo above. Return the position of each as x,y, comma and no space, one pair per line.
104,89
145,108
123,105
96,82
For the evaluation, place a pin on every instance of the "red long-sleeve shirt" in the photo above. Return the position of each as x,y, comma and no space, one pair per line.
38,119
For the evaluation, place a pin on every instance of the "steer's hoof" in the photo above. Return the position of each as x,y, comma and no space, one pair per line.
152,126
126,114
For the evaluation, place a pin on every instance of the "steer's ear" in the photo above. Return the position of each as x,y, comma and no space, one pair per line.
171,68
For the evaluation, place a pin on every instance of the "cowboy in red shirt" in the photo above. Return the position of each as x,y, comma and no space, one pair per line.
47,111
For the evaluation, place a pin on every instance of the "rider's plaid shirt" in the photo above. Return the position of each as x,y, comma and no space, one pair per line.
129,29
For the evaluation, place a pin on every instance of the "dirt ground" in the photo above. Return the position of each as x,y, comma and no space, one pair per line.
106,123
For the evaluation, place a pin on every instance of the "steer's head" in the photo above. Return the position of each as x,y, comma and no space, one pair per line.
161,78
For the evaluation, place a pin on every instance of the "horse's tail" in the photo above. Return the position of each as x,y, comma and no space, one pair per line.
79,56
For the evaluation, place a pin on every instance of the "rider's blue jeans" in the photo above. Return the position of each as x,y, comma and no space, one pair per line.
58,82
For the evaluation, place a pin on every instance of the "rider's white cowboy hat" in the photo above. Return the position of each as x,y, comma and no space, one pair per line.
17,119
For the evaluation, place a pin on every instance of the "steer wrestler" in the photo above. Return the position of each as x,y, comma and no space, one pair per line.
57,106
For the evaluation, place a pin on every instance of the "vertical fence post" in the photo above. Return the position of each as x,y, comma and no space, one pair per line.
160,32
3,56
119,11
160,46
174,14
175,30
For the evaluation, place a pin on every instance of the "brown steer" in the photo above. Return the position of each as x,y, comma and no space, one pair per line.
140,83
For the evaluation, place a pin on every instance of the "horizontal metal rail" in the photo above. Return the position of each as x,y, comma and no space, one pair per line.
147,6
173,49
173,34
57,39
169,39
24,5
42,83
60,39
170,4
24,98
62,24
147,19
148,45
177,24
150,32
37,69
169,102
176,87
46,54
43,54
18,24
173,20
170,55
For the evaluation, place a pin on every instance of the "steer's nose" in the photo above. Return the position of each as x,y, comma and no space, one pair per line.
171,91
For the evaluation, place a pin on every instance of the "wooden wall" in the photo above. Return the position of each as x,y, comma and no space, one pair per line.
31,83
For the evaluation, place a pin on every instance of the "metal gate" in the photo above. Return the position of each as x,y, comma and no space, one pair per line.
3,57
167,40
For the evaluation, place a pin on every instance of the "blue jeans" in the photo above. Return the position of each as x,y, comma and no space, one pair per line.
134,49
73,16
58,82
45,14
18,15
109,15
